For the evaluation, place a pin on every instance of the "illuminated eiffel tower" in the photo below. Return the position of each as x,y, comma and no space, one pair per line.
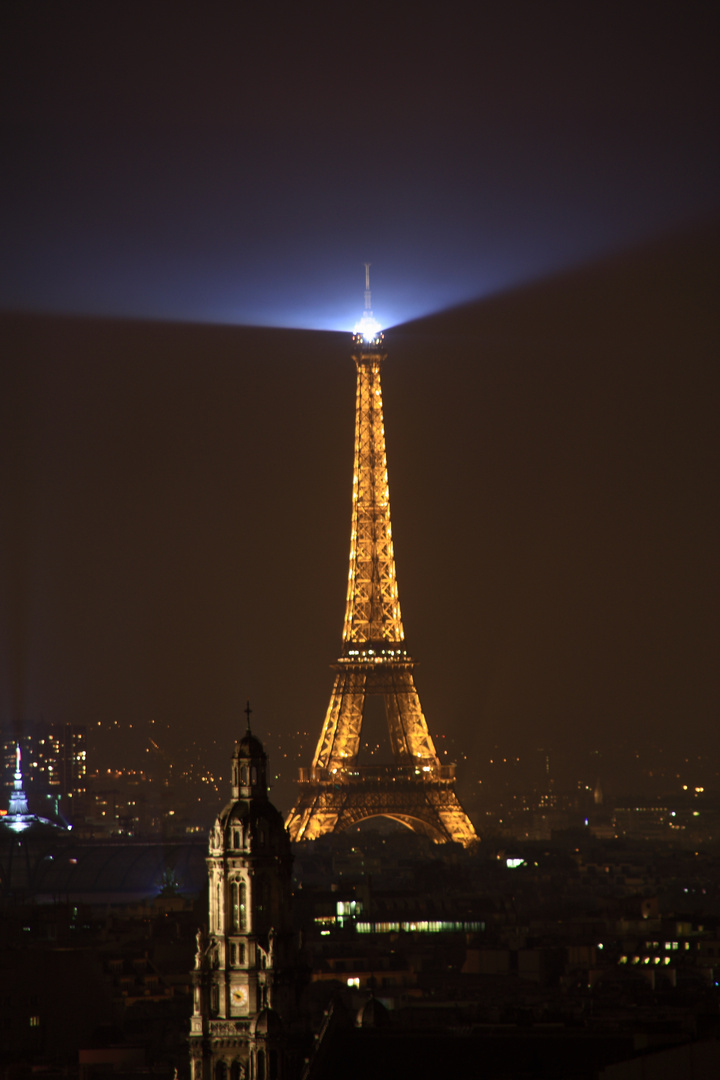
336,792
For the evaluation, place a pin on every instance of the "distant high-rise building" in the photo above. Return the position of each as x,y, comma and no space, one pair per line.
55,757
18,816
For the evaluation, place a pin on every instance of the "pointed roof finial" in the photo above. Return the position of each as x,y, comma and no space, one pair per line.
248,711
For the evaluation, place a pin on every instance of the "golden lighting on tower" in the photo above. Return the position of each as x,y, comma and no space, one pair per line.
336,792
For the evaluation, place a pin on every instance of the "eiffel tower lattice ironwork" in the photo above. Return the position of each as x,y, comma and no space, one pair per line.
337,792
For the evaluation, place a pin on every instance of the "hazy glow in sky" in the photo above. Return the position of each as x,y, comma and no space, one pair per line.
209,169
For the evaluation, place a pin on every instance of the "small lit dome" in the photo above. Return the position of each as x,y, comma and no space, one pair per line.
250,822
250,746
249,768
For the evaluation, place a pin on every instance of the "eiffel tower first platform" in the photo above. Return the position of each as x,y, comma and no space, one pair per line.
336,792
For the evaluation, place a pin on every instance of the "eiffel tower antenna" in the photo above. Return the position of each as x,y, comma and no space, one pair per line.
368,329
336,792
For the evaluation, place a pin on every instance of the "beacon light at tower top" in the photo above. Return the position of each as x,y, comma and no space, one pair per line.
369,329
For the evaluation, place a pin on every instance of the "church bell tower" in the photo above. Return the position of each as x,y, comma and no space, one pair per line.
244,965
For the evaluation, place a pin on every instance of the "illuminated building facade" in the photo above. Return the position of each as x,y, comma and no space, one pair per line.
55,760
336,792
244,969
18,817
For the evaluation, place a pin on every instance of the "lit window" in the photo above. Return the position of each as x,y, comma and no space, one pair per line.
238,897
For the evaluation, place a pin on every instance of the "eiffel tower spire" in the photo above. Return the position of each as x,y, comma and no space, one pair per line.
417,790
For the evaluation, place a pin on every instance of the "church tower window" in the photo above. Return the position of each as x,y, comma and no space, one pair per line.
238,893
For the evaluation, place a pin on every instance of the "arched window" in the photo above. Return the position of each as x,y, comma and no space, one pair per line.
235,905
220,1070
238,901
236,838
243,775
236,1071
261,1065
242,891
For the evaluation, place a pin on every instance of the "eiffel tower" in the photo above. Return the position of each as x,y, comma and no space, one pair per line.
336,792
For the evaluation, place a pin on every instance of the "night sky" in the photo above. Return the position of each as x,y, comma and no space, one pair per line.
188,196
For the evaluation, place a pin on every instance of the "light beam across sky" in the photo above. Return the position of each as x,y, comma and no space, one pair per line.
210,169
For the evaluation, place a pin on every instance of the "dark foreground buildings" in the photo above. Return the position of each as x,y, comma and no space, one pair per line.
384,955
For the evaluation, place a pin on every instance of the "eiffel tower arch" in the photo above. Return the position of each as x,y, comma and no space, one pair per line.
336,792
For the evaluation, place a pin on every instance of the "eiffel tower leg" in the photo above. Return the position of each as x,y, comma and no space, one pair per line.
456,822
339,741
313,815
409,736
316,810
